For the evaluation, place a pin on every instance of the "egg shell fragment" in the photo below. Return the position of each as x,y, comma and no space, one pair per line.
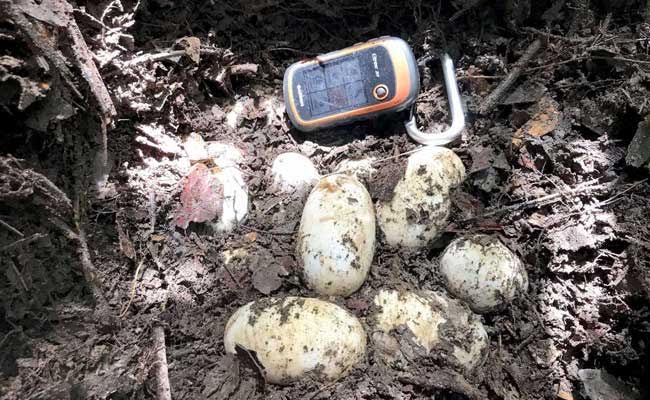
195,147
336,238
296,336
362,169
436,322
483,272
235,199
419,208
293,173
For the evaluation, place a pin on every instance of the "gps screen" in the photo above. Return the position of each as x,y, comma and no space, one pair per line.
335,86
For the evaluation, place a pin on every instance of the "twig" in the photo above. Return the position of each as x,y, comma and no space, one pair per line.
133,286
19,275
636,241
545,200
22,241
152,211
270,231
163,389
88,268
559,37
611,199
11,228
496,95
84,60
406,153
555,64
165,56
524,342
464,10
464,77
621,59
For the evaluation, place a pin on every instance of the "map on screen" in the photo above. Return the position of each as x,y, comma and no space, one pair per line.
335,86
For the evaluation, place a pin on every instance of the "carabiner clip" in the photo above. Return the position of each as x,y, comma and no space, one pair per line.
455,107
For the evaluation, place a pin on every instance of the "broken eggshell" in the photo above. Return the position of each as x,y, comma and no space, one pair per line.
293,173
419,207
235,199
435,321
336,239
296,336
195,147
483,272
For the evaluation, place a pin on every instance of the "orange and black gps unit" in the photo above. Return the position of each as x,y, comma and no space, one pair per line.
359,82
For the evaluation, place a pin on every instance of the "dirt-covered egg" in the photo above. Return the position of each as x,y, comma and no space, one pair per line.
336,239
293,173
483,272
297,336
436,323
419,207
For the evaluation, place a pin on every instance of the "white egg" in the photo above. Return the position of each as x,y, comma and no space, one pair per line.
437,323
362,169
293,173
235,199
418,210
296,336
483,272
336,239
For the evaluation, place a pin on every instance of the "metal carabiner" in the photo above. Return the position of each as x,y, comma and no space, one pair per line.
442,138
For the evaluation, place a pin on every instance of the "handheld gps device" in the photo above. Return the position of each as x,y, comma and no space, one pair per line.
359,82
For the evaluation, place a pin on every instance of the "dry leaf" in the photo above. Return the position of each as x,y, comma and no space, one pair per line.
201,198
545,120
251,236
157,238
268,278
126,246
192,47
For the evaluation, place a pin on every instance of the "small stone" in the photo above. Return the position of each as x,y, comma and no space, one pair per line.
638,152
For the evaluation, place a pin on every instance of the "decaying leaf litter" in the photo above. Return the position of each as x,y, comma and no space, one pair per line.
95,265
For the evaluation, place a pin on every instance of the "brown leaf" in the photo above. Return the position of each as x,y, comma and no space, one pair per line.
544,121
126,246
201,198
268,278
192,47
469,205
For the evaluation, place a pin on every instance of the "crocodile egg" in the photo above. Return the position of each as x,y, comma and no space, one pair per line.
297,336
336,238
436,322
293,173
483,272
419,207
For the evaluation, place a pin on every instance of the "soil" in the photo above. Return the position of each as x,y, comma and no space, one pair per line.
564,127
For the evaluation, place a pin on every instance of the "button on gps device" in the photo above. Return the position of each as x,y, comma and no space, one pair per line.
380,92
359,82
